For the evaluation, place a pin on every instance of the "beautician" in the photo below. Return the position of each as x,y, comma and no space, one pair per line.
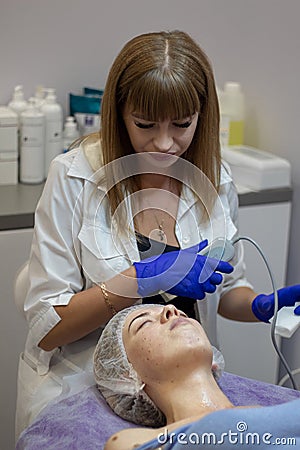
150,183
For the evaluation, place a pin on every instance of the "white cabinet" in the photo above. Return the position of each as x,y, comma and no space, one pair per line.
15,247
247,347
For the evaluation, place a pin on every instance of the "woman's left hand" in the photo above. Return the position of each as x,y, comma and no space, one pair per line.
263,305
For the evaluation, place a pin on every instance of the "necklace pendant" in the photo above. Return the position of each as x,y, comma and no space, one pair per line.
161,232
161,235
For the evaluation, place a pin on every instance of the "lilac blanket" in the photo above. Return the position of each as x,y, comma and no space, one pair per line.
84,421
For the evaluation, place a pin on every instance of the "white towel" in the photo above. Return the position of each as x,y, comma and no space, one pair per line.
287,322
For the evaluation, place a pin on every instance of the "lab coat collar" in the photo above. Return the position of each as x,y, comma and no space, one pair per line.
87,165
225,176
80,167
92,153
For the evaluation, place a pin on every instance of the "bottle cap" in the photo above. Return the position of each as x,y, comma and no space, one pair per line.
70,123
51,96
232,87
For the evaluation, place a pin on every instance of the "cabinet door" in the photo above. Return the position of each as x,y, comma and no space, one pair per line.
14,251
247,347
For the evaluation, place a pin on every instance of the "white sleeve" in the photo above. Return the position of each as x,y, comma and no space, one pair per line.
238,277
54,266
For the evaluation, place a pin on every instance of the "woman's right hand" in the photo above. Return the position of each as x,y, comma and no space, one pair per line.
181,272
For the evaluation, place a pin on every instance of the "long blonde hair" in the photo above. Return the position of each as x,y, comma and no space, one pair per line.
163,75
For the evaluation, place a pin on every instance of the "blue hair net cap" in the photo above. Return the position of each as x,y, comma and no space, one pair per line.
118,381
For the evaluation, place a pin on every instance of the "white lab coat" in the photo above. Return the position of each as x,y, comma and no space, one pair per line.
73,247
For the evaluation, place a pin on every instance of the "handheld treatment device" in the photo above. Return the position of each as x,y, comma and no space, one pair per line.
220,249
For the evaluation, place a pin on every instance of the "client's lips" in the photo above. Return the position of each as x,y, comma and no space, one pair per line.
178,321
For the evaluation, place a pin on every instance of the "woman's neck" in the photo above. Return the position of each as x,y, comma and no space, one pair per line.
195,396
159,182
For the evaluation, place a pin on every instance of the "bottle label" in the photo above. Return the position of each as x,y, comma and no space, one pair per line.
53,132
32,135
236,132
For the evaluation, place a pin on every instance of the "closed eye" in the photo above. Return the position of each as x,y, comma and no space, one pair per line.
183,125
142,324
181,313
144,126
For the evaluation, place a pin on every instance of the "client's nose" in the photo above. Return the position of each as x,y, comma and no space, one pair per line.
168,312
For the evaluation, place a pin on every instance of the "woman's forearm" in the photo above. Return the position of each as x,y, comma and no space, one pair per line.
87,310
236,305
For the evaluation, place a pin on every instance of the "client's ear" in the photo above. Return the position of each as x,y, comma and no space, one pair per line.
214,367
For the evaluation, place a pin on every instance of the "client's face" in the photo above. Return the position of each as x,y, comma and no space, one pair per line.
161,342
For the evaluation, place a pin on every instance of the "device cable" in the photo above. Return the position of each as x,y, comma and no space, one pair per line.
273,325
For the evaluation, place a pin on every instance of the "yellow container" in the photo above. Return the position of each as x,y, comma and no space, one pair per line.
236,132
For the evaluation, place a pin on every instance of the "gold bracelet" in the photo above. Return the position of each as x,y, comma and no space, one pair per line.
106,299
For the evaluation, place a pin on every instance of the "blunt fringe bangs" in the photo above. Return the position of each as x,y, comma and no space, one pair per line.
162,94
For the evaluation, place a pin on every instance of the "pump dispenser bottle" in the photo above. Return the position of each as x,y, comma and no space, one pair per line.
18,104
54,124
32,145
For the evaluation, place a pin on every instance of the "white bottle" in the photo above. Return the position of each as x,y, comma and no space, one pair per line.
53,132
70,134
18,104
32,153
234,107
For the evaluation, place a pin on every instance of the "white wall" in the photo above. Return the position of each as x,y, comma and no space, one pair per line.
68,44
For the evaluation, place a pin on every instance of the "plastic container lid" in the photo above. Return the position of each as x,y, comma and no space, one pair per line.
232,87
70,122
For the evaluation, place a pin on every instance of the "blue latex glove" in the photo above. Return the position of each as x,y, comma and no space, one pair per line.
180,272
263,305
